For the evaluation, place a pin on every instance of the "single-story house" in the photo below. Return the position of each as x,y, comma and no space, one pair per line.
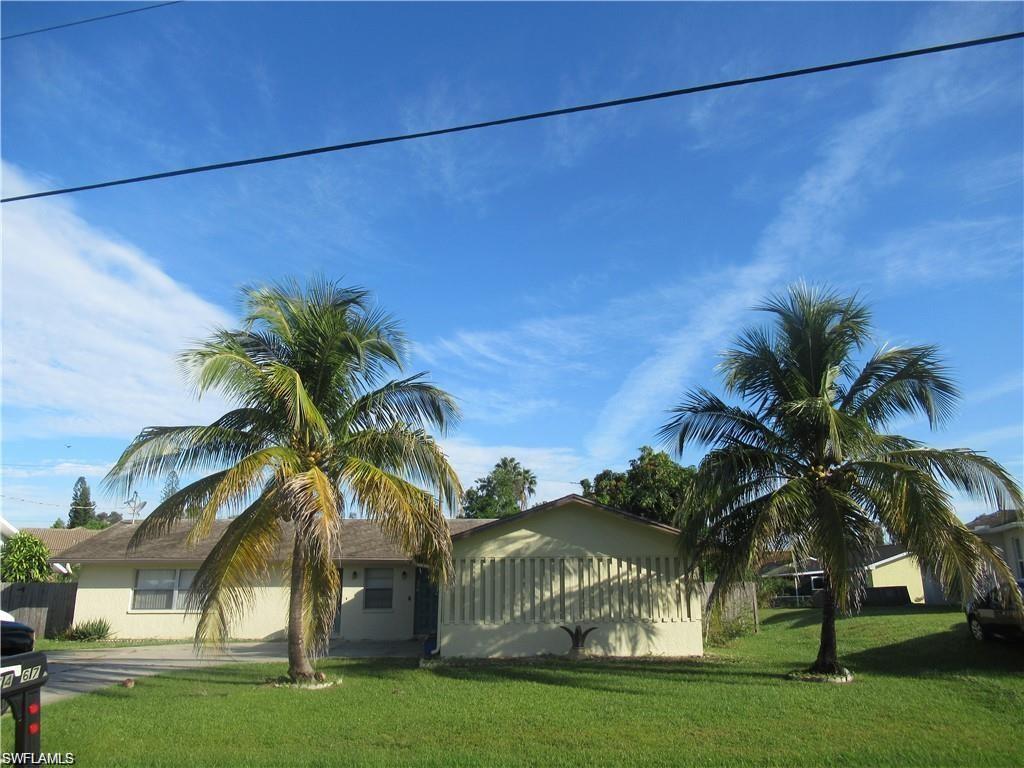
889,566
1005,531
517,580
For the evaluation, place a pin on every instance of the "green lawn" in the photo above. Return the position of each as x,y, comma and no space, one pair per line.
925,694
47,644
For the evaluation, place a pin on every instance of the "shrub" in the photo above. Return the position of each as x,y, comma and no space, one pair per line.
24,559
721,629
769,589
92,630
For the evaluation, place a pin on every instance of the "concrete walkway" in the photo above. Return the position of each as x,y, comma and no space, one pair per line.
75,672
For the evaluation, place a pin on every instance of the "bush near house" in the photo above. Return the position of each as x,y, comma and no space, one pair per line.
25,559
93,630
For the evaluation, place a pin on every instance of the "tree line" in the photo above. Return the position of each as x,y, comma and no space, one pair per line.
654,487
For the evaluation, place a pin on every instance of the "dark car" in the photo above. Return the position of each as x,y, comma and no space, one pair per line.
994,614
15,638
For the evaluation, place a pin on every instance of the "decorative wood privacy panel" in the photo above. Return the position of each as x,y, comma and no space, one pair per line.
558,590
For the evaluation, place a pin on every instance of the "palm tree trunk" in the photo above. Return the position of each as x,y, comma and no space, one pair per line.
827,662
299,667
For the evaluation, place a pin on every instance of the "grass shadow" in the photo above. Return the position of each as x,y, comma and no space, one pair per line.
951,652
604,675
796,618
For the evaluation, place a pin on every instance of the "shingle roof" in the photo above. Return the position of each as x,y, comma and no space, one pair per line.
994,519
359,540
59,540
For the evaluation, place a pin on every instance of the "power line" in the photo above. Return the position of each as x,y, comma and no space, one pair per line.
527,117
51,504
89,20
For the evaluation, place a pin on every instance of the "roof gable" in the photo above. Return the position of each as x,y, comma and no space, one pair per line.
568,527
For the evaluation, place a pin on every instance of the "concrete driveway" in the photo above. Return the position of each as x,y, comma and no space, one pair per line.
74,672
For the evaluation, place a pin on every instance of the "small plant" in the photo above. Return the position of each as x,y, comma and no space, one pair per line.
579,637
93,630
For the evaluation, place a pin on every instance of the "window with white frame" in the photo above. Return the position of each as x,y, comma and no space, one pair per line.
1018,552
378,589
162,589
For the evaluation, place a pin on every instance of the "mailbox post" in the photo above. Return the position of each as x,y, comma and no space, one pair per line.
21,678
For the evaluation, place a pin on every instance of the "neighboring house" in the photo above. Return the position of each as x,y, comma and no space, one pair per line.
1005,530
517,580
57,540
890,566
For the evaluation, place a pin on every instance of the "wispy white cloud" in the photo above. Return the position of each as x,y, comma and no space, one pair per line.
982,179
55,468
461,168
496,406
91,328
1005,385
650,387
949,251
987,438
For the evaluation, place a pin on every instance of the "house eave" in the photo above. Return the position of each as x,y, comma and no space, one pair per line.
888,560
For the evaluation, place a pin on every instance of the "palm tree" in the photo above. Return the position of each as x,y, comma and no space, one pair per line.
806,460
319,427
524,481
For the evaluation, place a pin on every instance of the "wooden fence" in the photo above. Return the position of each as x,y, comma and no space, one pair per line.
740,601
48,608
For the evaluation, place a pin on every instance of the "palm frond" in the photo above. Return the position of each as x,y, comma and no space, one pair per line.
737,538
285,384
186,504
223,588
404,401
158,450
703,418
241,482
903,381
410,453
408,515
976,474
913,506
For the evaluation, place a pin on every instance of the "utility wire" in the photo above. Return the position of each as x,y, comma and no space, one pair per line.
528,117
51,504
90,20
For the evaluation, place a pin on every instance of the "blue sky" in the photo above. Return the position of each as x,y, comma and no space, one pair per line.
567,280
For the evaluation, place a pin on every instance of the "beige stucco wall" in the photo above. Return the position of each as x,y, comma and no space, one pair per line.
357,623
105,592
1004,539
904,572
517,583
